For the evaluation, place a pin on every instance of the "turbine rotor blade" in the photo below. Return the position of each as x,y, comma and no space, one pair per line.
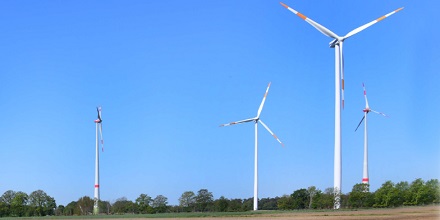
365,96
102,138
238,122
360,123
380,113
342,73
319,27
361,28
262,102
98,109
267,128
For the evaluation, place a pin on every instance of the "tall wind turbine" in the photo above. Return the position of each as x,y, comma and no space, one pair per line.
366,110
339,76
256,120
98,123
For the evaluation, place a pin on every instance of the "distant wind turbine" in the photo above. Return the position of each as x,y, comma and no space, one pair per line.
339,76
98,123
367,109
256,120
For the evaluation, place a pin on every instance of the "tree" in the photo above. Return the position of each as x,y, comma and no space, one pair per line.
317,202
104,207
42,203
300,199
70,208
402,193
360,196
235,205
7,197
385,195
122,206
327,198
187,201
144,203
221,204
84,206
19,204
432,188
204,199
248,204
160,204
268,204
4,209
312,192
60,210
284,203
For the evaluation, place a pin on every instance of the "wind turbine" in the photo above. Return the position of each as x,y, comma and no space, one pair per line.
367,109
339,79
98,123
256,120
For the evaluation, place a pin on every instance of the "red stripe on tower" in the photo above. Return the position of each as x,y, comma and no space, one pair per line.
96,185
364,179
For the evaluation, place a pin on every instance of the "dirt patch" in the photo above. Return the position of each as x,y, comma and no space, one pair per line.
405,213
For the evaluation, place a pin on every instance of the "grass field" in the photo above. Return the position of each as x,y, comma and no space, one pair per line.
405,213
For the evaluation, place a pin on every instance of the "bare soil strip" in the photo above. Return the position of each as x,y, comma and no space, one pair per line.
403,213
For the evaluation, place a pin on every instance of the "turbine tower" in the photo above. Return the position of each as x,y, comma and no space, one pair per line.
98,123
365,178
256,120
337,43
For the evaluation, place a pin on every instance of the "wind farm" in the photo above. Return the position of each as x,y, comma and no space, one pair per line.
165,75
339,88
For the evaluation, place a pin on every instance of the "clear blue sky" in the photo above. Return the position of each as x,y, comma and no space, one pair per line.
167,73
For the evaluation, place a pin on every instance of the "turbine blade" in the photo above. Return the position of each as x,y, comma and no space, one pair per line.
99,110
267,128
262,102
342,73
361,28
365,96
380,113
319,27
102,138
238,122
360,123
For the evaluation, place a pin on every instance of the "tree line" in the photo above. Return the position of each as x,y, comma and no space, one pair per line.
38,203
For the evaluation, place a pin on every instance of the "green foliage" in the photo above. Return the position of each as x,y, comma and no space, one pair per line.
70,208
248,204
84,206
285,203
204,200
41,203
268,204
235,205
187,201
122,206
144,204
300,199
160,204
360,196
19,205
221,204
38,203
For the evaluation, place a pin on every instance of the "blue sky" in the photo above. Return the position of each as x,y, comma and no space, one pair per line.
168,73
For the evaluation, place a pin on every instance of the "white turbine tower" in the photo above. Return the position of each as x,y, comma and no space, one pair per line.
339,76
98,123
365,178
256,120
